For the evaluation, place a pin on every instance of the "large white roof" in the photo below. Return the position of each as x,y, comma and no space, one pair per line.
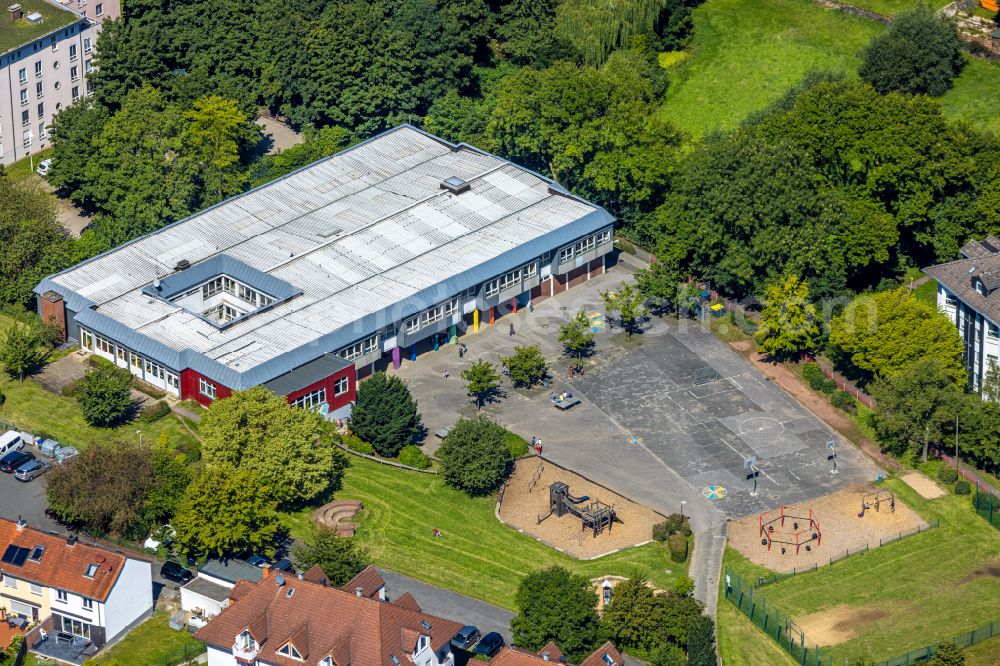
359,232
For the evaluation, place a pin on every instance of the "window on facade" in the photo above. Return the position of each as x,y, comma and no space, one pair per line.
62,596
992,331
25,119
206,388
135,361
122,354
88,603
88,65
565,254
492,288
38,68
22,75
387,332
9,581
310,400
86,45
980,287
585,245
99,9
36,589
412,325
24,96
172,381
76,627
41,130
72,52
26,138
86,340
41,110
360,349
341,385
74,73
951,299
75,92
154,370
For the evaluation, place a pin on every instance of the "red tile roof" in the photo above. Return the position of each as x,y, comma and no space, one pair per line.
368,580
356,631
512,656
597,658
407,601
61,566
315,575
241,587
555,654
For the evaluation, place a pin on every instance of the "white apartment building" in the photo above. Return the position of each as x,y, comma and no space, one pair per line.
47,48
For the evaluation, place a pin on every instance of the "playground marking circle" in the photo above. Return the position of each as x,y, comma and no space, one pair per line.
633,440
714,492
761,426
596,321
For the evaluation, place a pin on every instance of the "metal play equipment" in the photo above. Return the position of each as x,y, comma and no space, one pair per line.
876,499
786,526
594,516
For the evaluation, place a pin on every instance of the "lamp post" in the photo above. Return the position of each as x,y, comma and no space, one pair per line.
139,432
683,502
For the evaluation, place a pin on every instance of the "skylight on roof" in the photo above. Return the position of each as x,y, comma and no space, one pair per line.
36,553
423,623
608,660
91,570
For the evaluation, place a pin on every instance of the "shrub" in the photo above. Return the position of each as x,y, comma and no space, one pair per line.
98,362
828,386
674,524
474,457
150,390
947,474
518,447
816,383
354,443
104,397
625,246
412,456
812,370
962,487
70,389
154,412
842,400
661,531
684,586
678,545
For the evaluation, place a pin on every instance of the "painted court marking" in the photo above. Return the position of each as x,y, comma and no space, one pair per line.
714,492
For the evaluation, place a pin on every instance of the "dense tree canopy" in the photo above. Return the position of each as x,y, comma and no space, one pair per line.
385,414
105,396
286,447
920,53
475,457
788,325
556,605
33,242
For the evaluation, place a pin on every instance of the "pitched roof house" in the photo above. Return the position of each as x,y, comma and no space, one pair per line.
288,621
606,655
70,587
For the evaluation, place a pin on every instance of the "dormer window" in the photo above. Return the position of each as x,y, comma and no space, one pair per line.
326,661
289,651
980,287
244,641
421,644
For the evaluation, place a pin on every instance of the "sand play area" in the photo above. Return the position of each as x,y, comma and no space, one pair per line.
842,623
839,528
924,486
526,497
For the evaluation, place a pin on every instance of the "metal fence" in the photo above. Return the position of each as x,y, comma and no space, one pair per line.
181,656
988,506
769,618
962,640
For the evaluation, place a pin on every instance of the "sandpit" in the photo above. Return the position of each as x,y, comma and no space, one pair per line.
924,486
840,623
841,530
520,509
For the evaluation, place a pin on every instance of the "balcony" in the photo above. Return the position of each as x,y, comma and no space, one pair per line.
245,653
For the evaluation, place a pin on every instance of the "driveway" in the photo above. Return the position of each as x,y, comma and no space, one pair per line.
645,428
27,499
447,604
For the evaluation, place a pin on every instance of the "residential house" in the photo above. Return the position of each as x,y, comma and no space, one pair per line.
208,593
606,655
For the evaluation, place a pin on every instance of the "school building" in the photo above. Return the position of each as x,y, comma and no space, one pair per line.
308,283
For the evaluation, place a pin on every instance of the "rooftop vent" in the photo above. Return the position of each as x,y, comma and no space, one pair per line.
21,523
358,590
15,12
182,265
71,540
34,18
455,185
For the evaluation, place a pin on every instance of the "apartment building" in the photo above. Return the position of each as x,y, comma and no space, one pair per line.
47,48
304,285
86,594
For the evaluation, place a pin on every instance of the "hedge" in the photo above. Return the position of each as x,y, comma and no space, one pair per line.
99,362
947,474
678,545
412,456
154,412
149,390
518,447
962,487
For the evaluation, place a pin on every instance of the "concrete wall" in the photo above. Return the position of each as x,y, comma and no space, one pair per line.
130,598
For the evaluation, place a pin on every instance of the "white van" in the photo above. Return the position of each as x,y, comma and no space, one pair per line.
10,441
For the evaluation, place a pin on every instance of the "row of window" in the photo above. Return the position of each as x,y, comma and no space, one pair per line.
315,399
206,388
61,595
151,370
431,316
233,288
584,245
359,349
511,280
223,312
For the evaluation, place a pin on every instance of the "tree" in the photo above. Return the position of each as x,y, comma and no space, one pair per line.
920,53
989,388
316,145
482,382
385,414
658,285
628,302
123,489
215,134
556,605
915,405
288,448
688,297
668,654
475,457
105,396
340,558
34,244
947,654
226,512
526,365
701,642
788,321
576,337
634,617
880,334
22,352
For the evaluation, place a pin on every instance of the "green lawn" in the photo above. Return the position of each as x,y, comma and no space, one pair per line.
22,169
741,643
892,7
477,555
152,643
932,585
747,54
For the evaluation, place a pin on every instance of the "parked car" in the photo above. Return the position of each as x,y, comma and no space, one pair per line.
490,644
281,565
466,637
43,167
175,572
31,470
10,441
64,453
14,459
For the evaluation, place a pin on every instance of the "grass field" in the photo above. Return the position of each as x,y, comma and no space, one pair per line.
892,7
477,555
741,643
152,643
933,585
747,54
22,169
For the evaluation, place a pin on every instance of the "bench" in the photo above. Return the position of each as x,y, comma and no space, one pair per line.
563,405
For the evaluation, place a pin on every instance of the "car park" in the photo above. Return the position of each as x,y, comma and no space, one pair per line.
13,460
175,572
31,470
64,453
43,167
466,637
10,441
489,644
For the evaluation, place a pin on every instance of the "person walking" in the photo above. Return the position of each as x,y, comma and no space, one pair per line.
511,328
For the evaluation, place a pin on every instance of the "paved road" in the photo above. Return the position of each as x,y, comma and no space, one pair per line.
450,605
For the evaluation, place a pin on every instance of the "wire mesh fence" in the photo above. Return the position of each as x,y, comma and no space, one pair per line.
769,618
988,507
182,655
962,640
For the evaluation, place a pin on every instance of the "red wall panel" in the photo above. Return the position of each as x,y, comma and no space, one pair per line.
190,390
336,402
